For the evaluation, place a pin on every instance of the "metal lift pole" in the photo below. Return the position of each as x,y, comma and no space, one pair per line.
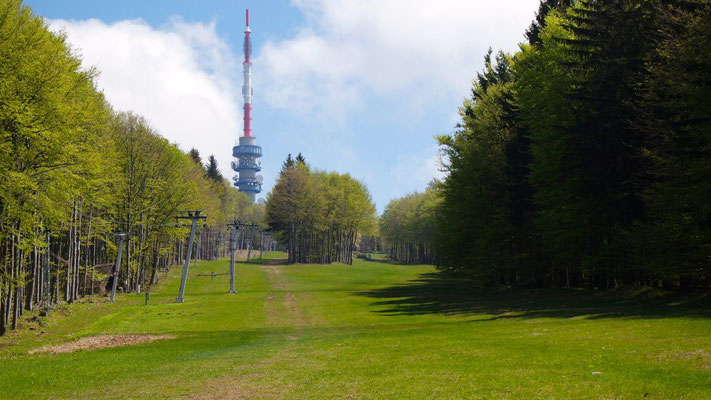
250,242
261,243
197,250
186,266
116,267
234,228
46,282
241,242
218,245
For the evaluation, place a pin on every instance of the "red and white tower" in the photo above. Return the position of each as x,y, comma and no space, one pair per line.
247,88
247,151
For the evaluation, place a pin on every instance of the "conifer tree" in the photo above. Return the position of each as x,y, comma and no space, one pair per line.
195,156
671,244
212,171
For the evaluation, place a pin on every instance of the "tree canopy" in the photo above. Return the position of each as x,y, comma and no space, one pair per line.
582,159
319,216
74,171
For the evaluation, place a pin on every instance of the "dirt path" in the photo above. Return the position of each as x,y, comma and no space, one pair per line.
281,304
283,311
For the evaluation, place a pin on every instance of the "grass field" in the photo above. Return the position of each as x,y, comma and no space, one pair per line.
371,330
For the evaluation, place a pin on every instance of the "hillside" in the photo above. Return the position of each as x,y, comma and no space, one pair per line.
371,330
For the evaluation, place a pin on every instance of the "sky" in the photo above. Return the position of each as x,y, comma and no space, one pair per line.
356,86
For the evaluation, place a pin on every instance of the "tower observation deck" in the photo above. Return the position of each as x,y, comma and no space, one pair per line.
247,152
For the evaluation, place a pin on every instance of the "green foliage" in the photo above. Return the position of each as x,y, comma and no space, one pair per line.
72,166
212,171
544,8
673,241
408,227
582,160
194,155
585,158
485,216
319,216
50,116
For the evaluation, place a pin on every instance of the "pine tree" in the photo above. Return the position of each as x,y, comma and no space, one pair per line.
584,148
195,156
486,208
288,163
544,8
671,244
212,171
300,159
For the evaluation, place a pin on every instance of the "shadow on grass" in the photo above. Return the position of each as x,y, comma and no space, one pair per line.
378,257
437,293
267,261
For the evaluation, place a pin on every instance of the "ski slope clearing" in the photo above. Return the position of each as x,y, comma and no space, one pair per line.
371,330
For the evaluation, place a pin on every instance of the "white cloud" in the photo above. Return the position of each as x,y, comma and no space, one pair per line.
416,170
417,50
364,83
179,77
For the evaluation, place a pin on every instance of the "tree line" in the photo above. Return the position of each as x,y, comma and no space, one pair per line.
74,172
408,227
582,160
318,216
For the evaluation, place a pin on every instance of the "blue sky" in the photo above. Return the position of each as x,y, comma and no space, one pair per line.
357,86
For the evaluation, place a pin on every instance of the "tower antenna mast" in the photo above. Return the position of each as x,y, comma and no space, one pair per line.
247,151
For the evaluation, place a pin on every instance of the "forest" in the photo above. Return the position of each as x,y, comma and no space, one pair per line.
582,160
408,227
75,173
319,216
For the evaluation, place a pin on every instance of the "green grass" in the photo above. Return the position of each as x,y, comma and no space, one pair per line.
371,330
